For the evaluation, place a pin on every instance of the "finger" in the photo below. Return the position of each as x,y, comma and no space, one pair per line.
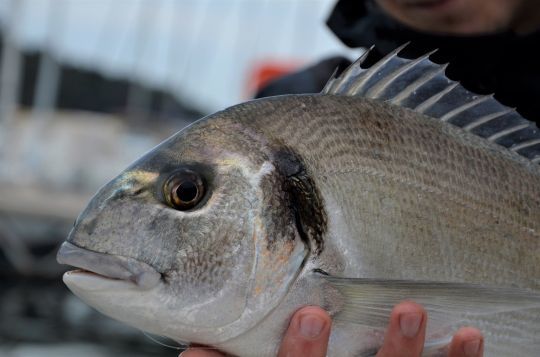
200,352
307,334
467,342
406,331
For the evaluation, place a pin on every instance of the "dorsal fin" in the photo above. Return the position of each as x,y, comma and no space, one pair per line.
422,86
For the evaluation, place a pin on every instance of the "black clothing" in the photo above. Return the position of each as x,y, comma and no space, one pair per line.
503,63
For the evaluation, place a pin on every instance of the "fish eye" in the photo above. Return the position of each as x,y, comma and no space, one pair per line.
184,190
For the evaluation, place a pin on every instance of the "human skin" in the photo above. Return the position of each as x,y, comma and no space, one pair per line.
465,17
310,327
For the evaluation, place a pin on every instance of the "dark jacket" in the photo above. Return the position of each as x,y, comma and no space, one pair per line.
502,63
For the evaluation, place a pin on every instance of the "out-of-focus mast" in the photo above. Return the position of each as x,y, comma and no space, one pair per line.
10,66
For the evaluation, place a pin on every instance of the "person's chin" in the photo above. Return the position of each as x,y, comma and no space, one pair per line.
427,5
426,14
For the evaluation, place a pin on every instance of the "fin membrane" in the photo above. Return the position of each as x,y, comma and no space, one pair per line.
422,86
370,301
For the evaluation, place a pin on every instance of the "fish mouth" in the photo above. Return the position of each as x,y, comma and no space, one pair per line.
101,270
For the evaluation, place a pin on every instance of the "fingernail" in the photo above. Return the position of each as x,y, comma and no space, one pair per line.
471,348
184,352
410,324
311,326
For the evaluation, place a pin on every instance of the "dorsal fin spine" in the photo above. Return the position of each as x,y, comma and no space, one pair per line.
465,106
428,103
353,69
417,83
485,119
505,132
376,90
525,144
332,80
373,70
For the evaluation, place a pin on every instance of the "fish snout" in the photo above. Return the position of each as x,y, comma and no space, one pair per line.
108,265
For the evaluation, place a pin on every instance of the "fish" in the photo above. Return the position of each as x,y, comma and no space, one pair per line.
393,183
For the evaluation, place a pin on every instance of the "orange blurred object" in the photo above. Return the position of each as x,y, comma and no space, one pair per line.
264,72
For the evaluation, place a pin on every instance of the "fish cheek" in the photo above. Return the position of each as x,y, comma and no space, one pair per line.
209,276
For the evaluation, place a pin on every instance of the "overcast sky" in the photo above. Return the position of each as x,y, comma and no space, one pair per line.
202,50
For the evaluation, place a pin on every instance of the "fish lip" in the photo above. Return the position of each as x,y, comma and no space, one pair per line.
109,266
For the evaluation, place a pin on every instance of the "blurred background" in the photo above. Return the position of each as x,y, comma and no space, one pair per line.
86,87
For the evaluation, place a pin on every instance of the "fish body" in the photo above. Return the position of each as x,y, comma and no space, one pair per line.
351,203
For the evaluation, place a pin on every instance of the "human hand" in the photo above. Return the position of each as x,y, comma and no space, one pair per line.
309,331
406,333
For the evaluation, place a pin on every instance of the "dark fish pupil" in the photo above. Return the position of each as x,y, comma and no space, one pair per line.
187,191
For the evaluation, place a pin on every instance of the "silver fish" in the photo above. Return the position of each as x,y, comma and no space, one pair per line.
393,183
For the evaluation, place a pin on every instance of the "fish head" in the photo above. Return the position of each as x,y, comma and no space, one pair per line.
196,241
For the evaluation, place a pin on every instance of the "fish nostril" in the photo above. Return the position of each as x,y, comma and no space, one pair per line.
90,226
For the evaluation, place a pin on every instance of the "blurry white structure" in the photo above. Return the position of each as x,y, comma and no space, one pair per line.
199,49
10,64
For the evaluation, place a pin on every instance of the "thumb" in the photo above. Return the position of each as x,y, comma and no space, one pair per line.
307,334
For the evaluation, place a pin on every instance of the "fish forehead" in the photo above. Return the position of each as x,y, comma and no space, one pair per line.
211,140
235,135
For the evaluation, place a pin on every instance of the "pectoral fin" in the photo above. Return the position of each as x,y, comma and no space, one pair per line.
370,301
